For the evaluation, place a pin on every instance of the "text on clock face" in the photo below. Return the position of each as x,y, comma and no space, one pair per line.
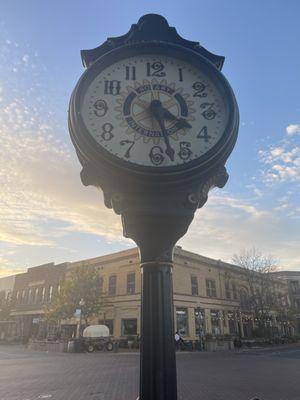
117,111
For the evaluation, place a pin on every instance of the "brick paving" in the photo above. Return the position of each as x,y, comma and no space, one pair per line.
28,375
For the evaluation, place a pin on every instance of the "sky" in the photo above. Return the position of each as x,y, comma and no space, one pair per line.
47,215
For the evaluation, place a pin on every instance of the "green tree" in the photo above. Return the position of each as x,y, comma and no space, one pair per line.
82,283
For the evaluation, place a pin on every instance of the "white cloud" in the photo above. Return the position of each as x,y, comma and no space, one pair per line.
293,129
282,162
221,229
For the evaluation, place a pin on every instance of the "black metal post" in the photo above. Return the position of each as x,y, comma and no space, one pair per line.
156,235
158,362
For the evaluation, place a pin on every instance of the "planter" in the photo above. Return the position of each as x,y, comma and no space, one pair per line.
219,345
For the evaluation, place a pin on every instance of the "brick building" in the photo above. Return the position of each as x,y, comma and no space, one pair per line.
33,290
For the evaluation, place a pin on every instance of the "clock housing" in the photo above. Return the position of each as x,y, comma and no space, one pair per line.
191,106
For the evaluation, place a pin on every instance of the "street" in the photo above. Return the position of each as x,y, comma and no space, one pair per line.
267,374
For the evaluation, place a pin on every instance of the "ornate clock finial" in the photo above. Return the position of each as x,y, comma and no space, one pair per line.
150,28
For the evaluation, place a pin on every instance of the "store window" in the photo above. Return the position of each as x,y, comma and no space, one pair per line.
129,326
215,322
112,285
131,283
199,321
194,285
211,288
109,323
182,321
232,325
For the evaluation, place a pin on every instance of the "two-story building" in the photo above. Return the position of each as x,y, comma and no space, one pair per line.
210,296
33,291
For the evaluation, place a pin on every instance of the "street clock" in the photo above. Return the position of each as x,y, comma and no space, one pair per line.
153,121
153,111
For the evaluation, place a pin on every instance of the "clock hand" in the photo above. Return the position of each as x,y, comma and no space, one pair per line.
181,121
158,113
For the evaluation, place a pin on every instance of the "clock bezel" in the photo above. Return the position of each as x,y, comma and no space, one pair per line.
92,151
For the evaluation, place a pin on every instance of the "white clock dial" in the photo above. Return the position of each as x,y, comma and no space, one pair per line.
117,111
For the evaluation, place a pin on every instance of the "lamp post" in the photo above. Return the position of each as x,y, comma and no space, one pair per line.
81,305
153,121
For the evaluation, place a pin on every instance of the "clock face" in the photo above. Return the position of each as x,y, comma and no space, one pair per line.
155,111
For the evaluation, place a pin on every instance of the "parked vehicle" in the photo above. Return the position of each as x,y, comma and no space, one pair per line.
97,338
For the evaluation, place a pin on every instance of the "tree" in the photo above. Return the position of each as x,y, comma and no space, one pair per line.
263,293
82,283
6,305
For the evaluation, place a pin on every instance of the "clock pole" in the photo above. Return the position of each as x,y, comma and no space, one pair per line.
156,234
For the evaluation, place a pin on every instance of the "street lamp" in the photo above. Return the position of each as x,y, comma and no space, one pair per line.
81,305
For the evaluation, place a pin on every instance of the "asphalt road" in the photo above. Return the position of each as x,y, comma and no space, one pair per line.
29,375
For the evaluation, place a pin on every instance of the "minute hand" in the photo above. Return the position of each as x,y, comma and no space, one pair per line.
158,113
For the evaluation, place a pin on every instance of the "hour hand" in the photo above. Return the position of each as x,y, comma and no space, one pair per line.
181,122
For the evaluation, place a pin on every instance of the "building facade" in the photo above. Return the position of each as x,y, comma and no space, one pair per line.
210,297
33,292
292,278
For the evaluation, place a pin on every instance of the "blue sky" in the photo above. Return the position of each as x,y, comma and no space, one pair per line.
47,215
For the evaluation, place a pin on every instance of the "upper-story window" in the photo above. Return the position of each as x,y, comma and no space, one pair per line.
194,286
211,290
131,283
295,287
227,290
101,281
112,285
36,295
244,299
234,291
29,300
297,304
50,293
23,296
43,295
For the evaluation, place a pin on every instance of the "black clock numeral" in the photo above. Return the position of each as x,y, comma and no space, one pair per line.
185,152
112,87
155,69
131,143
130,73
107,129
199,88
180,74
100,108
208,112
203,134
156,155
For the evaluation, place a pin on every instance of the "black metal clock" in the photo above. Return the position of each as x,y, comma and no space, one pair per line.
153,110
